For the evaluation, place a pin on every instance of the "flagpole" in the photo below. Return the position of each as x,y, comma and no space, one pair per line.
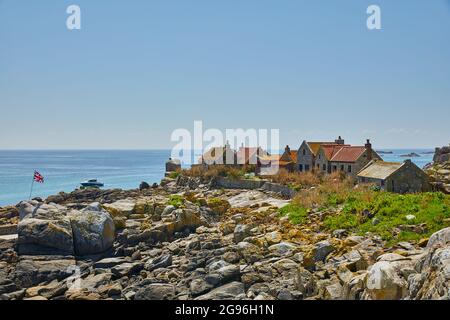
31,189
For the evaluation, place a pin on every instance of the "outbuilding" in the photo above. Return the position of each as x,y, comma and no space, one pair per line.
398,177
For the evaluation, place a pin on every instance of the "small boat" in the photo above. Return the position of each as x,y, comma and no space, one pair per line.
92,183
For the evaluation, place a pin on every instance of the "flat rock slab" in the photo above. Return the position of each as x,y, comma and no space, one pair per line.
254,197
9,237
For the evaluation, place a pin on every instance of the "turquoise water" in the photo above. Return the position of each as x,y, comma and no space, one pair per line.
64,170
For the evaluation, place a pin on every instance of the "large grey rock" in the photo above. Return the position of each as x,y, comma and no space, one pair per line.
31,271
322,250
383,282
226,292
440,238
199,286
93,231
120,208
156,291
241,231
37,236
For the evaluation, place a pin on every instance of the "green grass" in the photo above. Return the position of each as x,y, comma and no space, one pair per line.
295,213
176,200
174,175
391,210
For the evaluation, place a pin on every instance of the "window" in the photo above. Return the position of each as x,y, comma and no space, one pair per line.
306,167
334,168
304,152
349,169
382,183
300,167
319,156
342,167
324,167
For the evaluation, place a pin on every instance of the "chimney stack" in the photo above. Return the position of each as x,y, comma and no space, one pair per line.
287,149
368,146
339,140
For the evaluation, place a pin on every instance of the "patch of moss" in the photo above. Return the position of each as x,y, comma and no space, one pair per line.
176,200
296,214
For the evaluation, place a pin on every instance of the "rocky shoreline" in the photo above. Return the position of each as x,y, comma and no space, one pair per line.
187,240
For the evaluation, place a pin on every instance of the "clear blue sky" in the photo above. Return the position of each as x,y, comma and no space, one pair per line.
139,69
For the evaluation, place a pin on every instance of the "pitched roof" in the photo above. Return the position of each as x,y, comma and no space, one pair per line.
331,149
275,159
348,154
380,169
216,154
315,146
293,155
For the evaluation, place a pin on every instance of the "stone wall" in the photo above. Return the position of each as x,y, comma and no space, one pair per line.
408,179
280,189
226,183
307,159
237,183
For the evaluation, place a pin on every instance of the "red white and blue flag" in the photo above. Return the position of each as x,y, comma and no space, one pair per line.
38,177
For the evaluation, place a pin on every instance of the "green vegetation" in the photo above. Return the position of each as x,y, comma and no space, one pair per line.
219,171
431,212
295,213
366,209
174,175
176,200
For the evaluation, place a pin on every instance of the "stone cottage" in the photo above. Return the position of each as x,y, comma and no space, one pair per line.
219,155
250,155
307,153
345,158
270,164
396,177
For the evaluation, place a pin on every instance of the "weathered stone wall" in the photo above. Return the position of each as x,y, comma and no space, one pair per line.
376,182
307,159
280,189
408,179
237,184
320,161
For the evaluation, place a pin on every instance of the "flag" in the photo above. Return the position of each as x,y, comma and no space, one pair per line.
38,177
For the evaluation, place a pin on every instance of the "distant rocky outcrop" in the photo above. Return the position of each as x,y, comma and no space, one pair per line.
439,170
410,155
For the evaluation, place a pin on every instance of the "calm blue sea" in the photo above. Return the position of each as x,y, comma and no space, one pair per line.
64,170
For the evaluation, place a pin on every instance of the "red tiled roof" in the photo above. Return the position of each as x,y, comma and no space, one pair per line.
348,154
331,149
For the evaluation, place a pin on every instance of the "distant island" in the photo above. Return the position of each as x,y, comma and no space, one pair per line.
410,155
385,152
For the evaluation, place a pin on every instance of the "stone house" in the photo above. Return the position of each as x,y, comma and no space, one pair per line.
219,156
307,153
250,155
346,158
396,177
272,163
